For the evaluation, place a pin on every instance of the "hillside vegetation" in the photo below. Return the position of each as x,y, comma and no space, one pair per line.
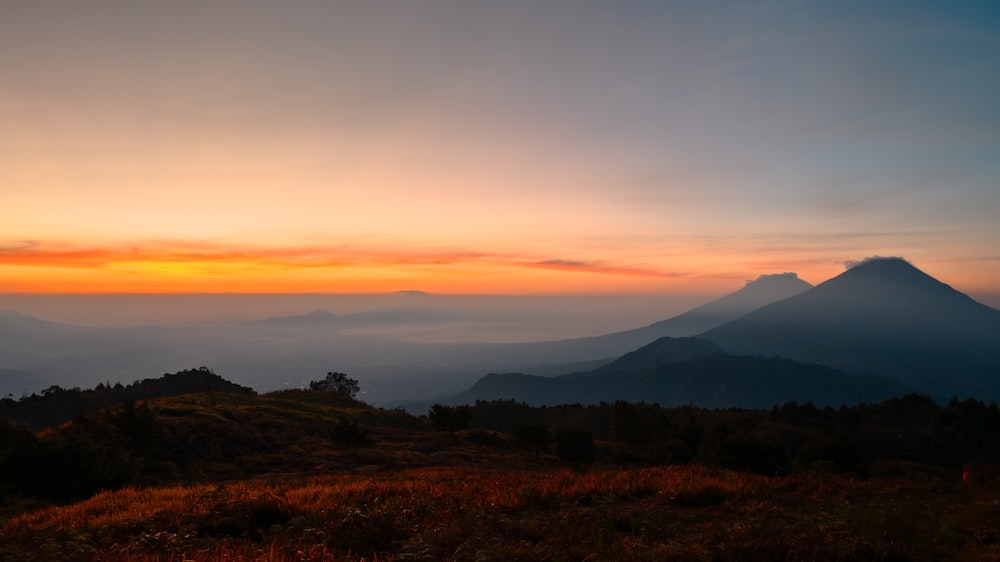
56,405
460,513
318,475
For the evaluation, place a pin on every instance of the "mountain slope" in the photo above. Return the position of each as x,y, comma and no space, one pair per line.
674,372
540,356
886,317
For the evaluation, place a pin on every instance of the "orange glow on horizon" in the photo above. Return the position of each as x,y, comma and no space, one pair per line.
199,268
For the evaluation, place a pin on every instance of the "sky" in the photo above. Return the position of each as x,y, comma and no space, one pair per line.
514,147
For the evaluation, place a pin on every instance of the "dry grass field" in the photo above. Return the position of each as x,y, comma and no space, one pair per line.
465,513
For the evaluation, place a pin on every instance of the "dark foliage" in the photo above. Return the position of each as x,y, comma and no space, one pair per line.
575,445
337,382
85,457
532,436
628,425
56,405
449,418
832,453
224,436
912,429
349,434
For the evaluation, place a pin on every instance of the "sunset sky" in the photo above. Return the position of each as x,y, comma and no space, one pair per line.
493,147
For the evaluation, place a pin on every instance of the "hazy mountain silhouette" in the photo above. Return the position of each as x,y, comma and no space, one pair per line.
659,352
315,317
377,317
14,325
675,372
882,316
762,291
559,356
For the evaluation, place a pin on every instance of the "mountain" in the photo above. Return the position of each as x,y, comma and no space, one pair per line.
555,357
883,316
762,291
15,326
377,317
316,317
675,372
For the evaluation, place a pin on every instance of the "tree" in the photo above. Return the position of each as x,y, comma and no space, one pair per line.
449,418
629,426
337,382
532,436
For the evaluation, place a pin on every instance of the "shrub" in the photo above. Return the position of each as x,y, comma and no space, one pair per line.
532,436
575,445
449,418
349,433
836,452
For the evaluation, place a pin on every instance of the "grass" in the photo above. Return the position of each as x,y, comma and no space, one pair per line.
466,513
242,477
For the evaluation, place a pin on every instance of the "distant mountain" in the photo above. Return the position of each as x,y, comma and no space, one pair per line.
14,325
315,317
547,356
883,316
377,317
762,291
674,372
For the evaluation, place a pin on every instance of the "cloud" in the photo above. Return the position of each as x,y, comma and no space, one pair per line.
602,267
60,254
566,263
848,264
208,254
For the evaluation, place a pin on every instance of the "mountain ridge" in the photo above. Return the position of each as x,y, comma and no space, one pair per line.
676,372
548,356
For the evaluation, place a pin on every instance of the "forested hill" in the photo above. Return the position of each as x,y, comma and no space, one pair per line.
56,405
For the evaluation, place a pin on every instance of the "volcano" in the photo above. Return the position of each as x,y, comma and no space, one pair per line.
886,317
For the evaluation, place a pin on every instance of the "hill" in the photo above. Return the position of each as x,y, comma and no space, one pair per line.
56,405
882,316
675,372
315,475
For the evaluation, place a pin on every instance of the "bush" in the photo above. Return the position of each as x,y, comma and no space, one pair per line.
832,453
749,452
449,418
532,436
670,451
485,438
575,445
349,434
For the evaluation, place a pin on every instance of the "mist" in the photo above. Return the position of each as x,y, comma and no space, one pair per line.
398,345
407,315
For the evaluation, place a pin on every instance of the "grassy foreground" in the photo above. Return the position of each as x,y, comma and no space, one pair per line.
450,513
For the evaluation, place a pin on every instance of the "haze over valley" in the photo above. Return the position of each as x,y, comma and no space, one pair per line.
881,318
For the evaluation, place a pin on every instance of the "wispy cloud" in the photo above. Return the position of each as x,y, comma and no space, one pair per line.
603,267
61,254
66,255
